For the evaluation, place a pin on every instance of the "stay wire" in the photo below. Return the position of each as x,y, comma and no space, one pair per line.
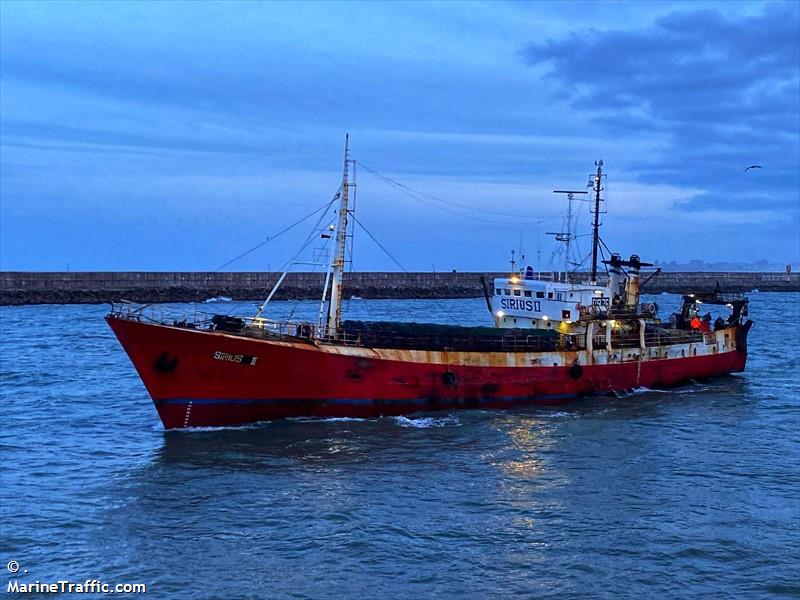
603,245
402,268
277,235
398,184
314,265
306,243
422,197
381,246
603,254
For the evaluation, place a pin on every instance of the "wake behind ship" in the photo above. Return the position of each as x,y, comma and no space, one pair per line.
550,342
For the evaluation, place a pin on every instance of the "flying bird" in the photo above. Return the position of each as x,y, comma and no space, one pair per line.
753,167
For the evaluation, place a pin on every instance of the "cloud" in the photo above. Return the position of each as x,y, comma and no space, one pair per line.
127,124
724,90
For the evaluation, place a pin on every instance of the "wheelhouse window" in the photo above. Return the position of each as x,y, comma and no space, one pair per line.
527,293
498,291
550,295
508,292
517,293
540,294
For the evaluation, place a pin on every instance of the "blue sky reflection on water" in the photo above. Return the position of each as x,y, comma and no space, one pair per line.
175,135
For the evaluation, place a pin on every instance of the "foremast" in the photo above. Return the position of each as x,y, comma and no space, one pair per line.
337,265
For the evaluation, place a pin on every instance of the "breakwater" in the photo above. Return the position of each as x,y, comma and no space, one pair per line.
100,287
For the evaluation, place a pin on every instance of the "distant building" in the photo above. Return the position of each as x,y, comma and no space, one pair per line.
696,265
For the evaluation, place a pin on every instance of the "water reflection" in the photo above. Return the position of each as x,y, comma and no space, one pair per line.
529,439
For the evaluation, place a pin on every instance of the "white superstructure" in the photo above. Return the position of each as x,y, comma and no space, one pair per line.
523,303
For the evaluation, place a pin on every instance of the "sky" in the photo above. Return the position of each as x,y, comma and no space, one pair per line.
177,136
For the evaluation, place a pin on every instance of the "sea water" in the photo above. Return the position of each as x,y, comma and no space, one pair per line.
690,492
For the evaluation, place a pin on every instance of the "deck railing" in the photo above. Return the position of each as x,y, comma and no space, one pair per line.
199,319
257,327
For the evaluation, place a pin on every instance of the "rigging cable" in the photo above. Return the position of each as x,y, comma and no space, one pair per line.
422,197
389,254
280,233
603,245
305,245
381,246
603,255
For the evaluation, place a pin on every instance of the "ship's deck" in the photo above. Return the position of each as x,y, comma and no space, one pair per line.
416,336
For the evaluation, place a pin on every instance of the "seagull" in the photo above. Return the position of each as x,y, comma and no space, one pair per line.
753,167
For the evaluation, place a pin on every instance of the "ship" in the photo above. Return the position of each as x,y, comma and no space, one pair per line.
549,342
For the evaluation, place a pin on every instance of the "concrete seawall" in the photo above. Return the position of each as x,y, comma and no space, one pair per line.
100,287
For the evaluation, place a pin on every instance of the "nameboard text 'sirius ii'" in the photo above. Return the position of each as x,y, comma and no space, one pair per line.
551,341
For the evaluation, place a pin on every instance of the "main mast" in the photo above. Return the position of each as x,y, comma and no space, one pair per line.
337,266
598,179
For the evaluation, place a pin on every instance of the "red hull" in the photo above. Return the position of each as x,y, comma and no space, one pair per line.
195,381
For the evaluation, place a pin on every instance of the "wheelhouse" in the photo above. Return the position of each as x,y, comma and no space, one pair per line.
532,303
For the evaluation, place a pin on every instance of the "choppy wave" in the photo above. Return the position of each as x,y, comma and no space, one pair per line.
191,430
327,419
693,387
217,299
424,422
